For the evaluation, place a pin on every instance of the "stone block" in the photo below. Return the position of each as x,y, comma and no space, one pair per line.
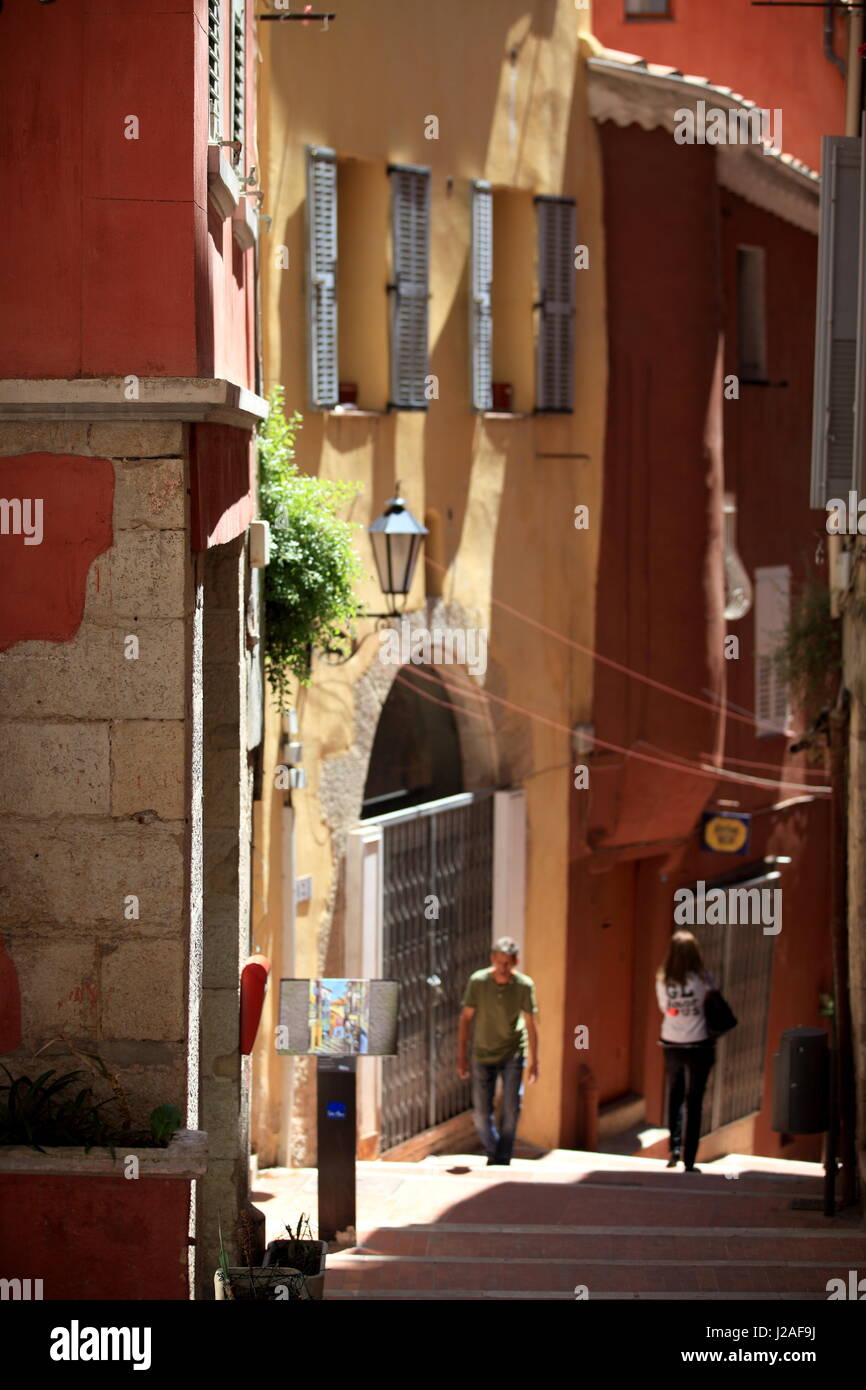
148,768
48,437
59,984
92,677
54,769
79,875
150,493
143,990
145,574
137,440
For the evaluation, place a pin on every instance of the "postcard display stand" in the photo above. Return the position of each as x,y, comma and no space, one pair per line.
336,1021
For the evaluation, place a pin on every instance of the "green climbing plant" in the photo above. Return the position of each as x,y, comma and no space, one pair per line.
310,579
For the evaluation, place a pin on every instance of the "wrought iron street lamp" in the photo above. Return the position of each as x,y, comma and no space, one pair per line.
396,537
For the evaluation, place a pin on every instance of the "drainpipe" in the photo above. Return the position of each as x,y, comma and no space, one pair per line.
843,1063
854,80
829,53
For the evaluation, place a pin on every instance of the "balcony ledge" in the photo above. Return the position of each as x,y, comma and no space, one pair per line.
159,398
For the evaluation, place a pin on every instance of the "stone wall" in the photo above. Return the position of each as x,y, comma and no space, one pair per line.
94,775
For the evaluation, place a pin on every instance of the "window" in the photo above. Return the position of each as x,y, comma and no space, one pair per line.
238,77
500,303
410,254
648,9
555,343
834,456
214,67
772,614
751,314
347,314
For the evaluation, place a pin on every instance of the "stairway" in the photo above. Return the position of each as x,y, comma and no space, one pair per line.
618,1227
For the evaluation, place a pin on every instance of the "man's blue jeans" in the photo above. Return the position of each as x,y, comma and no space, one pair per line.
498,1143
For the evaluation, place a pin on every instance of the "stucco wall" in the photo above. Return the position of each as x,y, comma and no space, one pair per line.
506,490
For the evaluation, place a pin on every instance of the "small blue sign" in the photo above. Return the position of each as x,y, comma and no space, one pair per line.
336,1110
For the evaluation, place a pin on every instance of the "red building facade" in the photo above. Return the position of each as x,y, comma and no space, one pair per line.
129,392
711,266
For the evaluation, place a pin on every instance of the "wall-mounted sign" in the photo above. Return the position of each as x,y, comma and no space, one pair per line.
725,832
339,1018
336,1110
304,888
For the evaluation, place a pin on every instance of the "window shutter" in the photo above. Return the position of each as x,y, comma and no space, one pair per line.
239,50
410,214
555,360
480,307
833,471
322,277
772,614
214,67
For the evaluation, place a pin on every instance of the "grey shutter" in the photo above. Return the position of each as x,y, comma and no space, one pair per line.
833,472
322,278
410,221
214,67
239,49
480,307
555,353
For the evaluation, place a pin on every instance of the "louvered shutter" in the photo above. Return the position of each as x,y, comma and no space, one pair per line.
322,277
555,353
410,220
480,307
833,471
214,67
239,49
772,614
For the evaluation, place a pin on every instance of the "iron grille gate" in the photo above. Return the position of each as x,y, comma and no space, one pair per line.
444,850
741,958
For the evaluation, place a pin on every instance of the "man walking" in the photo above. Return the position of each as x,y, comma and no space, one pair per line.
502,1002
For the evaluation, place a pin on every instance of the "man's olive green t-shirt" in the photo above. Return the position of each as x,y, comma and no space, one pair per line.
500,1030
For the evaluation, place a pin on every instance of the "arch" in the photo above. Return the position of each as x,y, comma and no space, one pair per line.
416,754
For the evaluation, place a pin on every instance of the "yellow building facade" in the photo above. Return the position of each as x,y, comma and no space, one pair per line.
434,158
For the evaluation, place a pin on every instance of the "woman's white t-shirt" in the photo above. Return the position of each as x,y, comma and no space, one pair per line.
683,1008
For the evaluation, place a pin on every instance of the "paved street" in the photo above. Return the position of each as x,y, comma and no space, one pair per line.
451,1228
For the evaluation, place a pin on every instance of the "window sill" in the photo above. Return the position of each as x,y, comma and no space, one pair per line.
245,224
352,412
504,414
223,186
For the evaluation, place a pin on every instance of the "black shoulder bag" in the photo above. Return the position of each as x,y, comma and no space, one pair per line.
720,1017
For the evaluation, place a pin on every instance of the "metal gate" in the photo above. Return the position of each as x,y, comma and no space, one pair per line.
741,958
437,929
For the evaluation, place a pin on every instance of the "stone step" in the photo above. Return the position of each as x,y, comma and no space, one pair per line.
721,1244
360,1274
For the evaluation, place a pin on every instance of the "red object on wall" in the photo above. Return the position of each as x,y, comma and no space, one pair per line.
254,978
10,1003
222,497
130,1238
43,577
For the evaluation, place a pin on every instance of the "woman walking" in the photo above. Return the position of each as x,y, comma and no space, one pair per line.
682,985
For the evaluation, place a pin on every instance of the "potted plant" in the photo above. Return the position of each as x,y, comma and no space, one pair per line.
293,1269
74,1173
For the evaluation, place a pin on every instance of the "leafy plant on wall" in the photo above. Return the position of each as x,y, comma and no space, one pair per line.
313,568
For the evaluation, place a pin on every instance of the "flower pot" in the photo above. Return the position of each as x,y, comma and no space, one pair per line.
274,1283
306,1255
129,1234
